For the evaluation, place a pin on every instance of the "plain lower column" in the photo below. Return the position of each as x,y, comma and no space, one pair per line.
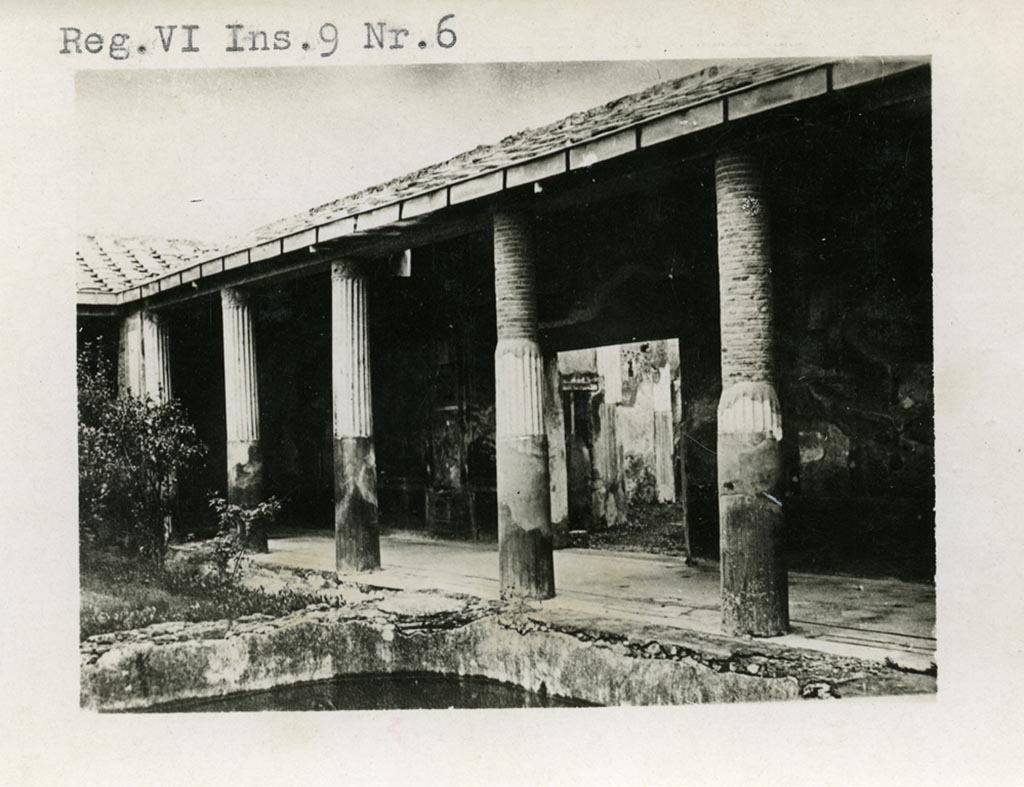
525,555
755,592
242,406
356,530
664,437
554,425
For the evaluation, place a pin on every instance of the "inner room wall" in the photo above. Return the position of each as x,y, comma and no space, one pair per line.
633,271
621,411
854,317
293,359
433,335
197,381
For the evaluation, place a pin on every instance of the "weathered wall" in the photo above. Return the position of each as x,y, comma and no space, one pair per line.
620,437
647,371
855,318
851,249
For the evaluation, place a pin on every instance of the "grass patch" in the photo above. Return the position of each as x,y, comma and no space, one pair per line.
119,593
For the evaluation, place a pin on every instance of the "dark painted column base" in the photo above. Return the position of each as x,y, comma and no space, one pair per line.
245,484
356,529
525,553
755,590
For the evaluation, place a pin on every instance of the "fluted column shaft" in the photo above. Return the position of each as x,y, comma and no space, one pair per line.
524,499
144,367
755,596
242,405
144,370
157,351
356,528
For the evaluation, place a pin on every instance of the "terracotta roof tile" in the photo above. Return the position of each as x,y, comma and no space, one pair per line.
108,264
625,111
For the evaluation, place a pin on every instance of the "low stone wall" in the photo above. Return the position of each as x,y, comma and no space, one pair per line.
365,630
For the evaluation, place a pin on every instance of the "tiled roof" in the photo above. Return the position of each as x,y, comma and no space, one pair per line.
534,142
107,264
664,111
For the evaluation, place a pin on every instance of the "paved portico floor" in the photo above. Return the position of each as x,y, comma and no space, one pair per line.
877,619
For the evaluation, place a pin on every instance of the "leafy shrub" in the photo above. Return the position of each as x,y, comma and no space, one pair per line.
129,452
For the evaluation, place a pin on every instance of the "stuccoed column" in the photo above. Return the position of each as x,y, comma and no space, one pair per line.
144,356
242,405
755,594
558,471
664,437
524,504
356,531
144,370
157,355
130,379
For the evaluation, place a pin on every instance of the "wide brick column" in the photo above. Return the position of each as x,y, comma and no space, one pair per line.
242,405
525,556
143,363
755,594
356,532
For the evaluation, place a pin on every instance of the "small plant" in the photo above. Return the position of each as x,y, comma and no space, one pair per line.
241,528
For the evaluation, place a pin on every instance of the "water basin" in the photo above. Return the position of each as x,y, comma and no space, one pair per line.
386,691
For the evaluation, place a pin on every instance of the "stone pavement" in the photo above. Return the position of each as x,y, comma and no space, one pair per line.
634,594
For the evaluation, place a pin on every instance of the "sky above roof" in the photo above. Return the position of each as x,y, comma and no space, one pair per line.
212,154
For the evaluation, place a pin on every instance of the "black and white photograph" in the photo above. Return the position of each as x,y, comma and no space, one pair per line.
631,406
490,388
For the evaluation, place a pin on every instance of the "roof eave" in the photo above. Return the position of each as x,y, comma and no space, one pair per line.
817,79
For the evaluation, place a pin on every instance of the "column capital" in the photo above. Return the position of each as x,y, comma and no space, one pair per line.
349,268
235,297
155,317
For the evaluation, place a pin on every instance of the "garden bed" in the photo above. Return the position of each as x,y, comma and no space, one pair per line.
120,593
